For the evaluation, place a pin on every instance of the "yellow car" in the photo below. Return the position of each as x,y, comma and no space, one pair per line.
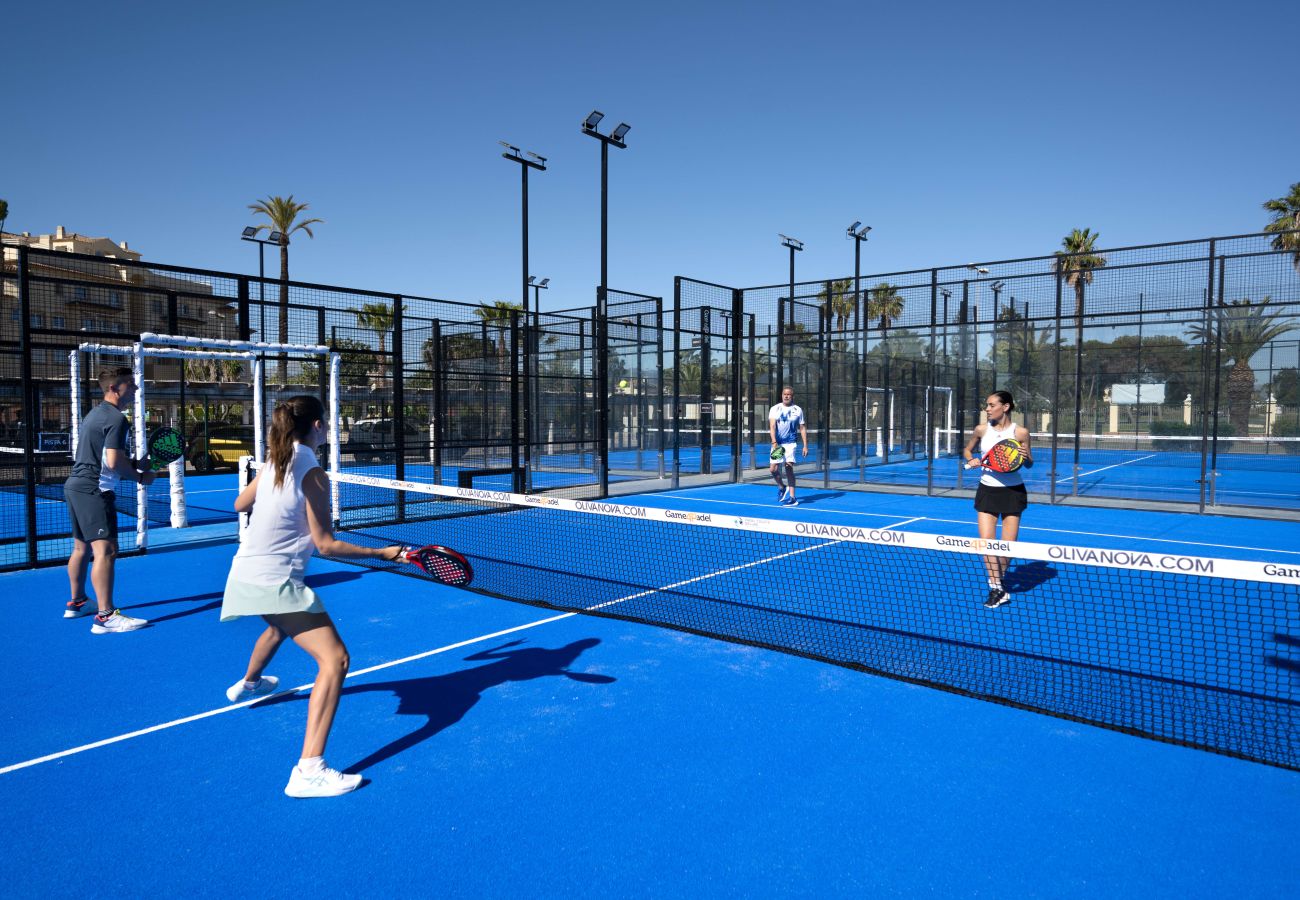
220,448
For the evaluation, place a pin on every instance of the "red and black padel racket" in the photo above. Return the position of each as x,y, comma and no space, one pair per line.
442,564
1005,456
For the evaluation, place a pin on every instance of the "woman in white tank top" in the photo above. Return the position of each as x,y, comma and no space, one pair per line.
289,505
1000,494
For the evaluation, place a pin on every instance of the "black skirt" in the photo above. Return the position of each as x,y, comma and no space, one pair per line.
1001,501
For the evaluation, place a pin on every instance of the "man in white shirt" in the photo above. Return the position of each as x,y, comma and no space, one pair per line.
784,421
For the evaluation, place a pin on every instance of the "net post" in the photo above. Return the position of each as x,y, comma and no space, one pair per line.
176,492
259,438
74,398
244,479
141,492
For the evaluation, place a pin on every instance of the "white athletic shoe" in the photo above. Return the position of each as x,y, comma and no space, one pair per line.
116,622
75,609
325,783
265,685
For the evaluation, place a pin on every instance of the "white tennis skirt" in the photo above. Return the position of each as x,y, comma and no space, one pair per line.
243,599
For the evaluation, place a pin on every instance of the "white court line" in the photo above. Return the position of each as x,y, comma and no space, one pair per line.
397,662
1127,462
1023,527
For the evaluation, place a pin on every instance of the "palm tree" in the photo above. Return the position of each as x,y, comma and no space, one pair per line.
498,311
1077,261
213,371
1241,328
283,211
378,317
885,303
842,301
1286,217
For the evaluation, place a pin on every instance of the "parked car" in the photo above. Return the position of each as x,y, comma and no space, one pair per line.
369,440
220,448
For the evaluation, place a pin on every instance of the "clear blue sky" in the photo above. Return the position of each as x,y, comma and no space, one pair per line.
960,131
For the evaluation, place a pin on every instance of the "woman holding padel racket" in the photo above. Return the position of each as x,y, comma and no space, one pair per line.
1003,447
289,502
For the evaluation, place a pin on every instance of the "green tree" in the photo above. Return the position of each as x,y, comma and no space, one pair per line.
1286,217
842,301
213,371
378,317
1076,261
354,364
1286,386
283,213
1241,329
498,313
4,214
885,304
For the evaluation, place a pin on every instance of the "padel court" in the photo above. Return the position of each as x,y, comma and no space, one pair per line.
523,749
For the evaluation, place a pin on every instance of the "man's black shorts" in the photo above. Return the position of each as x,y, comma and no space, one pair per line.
93,513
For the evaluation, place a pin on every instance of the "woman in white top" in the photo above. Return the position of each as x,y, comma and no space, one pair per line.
1000,494
289,502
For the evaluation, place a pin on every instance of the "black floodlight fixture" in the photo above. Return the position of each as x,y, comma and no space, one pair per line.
792,243
544,282
532,278
509,146
593,120
276,237
947,294
620,132
540,159
853,232
250,231
977,269
997,286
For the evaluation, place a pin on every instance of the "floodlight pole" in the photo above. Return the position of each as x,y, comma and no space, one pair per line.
794,245
537,287
512,154
601,370
859,321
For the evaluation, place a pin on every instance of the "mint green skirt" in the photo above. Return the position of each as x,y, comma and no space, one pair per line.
243,599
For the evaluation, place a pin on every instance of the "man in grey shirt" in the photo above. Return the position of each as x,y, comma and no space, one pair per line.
90,492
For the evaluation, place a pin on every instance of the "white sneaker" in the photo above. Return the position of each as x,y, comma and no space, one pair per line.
265,685
325,783
116,622
75,609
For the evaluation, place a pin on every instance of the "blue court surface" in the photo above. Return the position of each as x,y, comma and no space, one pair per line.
516,750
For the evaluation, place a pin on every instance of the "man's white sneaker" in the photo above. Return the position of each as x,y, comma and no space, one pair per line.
325,783
265,685
116,622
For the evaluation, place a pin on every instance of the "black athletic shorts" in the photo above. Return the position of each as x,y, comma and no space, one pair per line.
93,513
1001,501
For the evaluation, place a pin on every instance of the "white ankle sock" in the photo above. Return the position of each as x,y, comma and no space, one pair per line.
311,765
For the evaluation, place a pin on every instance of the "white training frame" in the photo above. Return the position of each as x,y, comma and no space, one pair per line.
165,346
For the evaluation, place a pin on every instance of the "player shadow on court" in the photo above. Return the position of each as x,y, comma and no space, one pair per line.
1026,576
805,499
214,598
443,700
